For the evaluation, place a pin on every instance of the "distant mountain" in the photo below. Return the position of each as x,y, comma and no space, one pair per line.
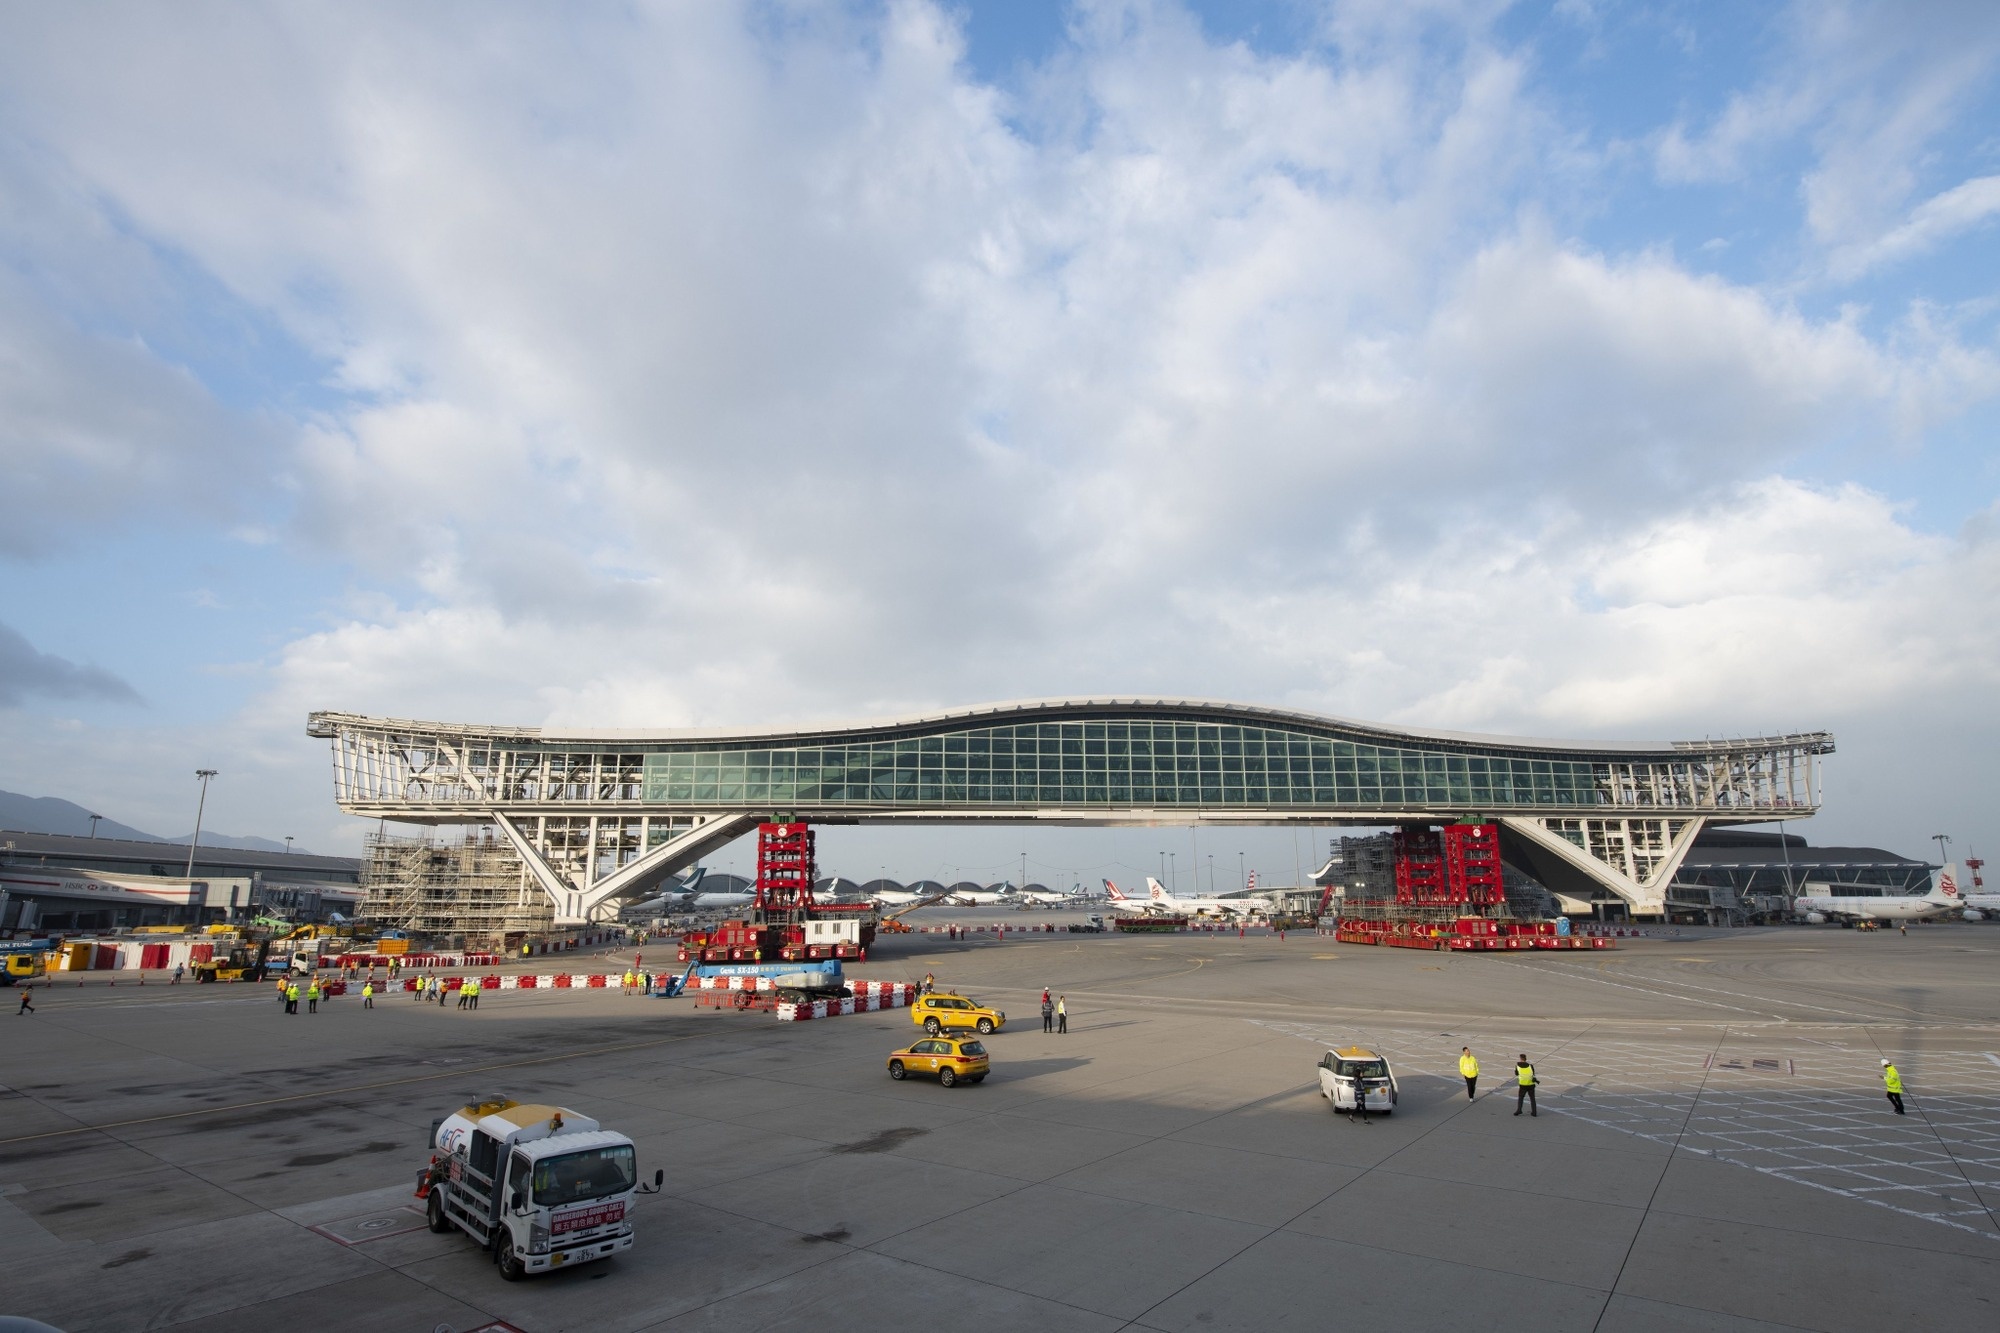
52,814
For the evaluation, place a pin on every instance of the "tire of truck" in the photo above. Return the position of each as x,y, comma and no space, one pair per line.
506,1260
896,1069
434,1210
946,1077
932,1026
985,1027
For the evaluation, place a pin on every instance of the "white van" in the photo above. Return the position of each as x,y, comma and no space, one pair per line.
1355,1071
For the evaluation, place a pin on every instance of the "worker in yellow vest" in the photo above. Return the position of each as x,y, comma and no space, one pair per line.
1524,1077
312,996
292,997
368,994
1892,1082
1468,1069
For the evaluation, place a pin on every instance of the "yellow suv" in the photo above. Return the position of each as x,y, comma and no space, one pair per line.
938,1011
951,1060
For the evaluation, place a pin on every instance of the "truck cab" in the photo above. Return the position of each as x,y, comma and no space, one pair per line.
542,1187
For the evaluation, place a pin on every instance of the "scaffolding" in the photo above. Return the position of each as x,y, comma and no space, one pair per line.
473,891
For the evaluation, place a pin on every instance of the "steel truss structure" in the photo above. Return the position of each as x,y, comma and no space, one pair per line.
600,817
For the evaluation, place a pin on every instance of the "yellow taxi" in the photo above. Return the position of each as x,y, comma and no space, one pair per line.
948,1059
941,1010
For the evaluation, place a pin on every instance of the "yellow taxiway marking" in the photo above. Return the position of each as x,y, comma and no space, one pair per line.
1326,955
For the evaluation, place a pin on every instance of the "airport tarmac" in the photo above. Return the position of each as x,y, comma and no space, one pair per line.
1713,1149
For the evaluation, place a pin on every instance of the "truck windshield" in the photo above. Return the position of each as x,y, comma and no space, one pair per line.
577,1176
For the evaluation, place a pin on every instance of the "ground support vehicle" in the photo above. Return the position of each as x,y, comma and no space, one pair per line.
950,1060
1090,925
1463,934
1151,924
24,960
940,1010
1353,1077
243,962
541,1187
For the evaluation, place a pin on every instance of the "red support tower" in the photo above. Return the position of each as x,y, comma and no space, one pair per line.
785,873
1420,870
1472,862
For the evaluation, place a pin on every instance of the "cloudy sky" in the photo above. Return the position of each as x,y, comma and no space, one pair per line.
1575,368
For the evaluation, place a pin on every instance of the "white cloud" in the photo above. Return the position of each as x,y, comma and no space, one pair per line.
1963,207
697,373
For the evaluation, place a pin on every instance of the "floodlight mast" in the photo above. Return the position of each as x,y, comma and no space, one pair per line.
204,774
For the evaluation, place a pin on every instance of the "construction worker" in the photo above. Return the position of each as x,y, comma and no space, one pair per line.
419,992
1062,1015
476,988
1048,1013
291,997
626,984
1892,1083
368,993
1468,1069
1524,1076
312,996
26,1007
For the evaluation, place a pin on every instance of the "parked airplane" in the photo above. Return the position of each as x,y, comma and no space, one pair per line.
1976,906
689,897
1157,893
1819,908
1125,904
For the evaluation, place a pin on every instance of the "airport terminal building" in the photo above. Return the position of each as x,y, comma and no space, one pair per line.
54,881
600,817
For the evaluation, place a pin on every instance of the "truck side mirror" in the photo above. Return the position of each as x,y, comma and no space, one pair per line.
518,1201
659,1178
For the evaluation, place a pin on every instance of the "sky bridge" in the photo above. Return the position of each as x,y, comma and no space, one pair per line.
598,817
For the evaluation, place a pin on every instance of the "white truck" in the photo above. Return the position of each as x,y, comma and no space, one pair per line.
541,1187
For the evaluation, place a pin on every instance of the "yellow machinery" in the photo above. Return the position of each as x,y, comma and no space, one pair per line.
243,963
24,962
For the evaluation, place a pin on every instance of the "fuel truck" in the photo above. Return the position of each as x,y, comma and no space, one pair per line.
540,1187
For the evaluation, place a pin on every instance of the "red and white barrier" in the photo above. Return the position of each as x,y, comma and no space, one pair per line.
890,995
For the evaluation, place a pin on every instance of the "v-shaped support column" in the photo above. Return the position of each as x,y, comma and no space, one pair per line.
576,906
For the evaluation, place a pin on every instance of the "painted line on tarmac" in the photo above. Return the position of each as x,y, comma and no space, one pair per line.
325,1093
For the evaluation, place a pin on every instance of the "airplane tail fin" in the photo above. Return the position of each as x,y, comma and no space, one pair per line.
1117,895
1157,891
1946,889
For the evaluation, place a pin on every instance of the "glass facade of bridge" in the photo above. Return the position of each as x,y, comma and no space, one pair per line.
1146,763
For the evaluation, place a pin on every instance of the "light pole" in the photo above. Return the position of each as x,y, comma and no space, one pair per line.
1211,876
1241,872
93,825
204,774
1173,872
288,844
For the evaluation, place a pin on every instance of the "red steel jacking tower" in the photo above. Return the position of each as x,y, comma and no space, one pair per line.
1420,877
785,873
1472,862
1458,868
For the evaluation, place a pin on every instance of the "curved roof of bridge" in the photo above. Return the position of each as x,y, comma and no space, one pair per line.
1065,709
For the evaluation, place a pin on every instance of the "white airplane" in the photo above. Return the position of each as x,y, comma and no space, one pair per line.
1820,908
690,898
983,898
1121,901
1157,893
1974,905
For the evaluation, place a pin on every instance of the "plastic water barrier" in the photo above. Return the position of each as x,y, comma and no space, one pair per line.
868,997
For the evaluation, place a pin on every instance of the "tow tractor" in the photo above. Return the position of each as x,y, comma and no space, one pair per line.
540,1187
